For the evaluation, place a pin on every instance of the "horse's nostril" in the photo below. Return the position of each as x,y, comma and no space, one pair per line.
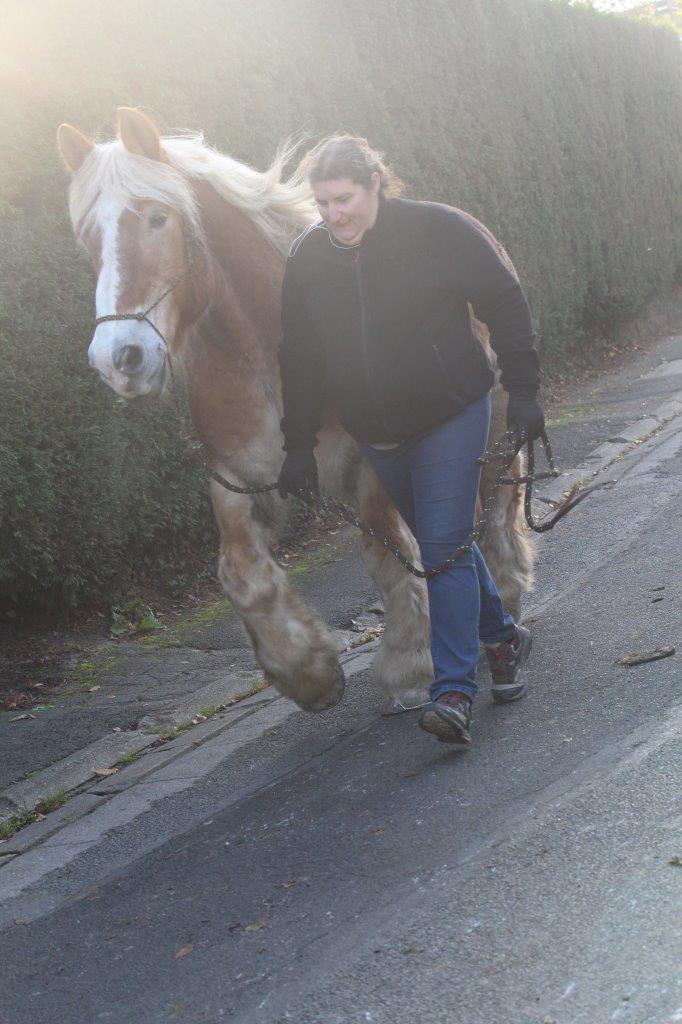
128,358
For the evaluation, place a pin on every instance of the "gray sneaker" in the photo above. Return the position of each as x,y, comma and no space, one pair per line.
506,661
448,718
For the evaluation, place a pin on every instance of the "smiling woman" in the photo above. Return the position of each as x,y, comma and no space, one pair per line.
377,315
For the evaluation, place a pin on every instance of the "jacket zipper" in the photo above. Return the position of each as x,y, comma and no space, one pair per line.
365,350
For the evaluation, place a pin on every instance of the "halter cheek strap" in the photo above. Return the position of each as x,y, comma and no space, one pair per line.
190,242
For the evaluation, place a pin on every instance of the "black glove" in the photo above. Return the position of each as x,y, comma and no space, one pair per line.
298,475
525,414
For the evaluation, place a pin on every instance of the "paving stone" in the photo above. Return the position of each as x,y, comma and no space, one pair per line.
119,810
194,737
669,409
639,429
669,368
53,822
22,871
74,770
227,688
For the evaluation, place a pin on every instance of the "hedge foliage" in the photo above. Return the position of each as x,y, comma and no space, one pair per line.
557,126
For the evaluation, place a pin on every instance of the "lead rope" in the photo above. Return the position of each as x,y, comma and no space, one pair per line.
504,451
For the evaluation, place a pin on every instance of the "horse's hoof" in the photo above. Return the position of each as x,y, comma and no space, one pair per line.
329,699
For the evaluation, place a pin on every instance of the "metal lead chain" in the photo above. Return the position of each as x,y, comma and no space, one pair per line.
504,450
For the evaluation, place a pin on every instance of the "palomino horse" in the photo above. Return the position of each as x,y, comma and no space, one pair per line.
172,220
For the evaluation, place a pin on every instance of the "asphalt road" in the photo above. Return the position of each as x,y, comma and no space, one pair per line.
348,868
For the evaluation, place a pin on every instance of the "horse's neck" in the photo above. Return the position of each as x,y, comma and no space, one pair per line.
248,274
231,355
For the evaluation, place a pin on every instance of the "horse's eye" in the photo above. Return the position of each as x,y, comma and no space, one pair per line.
157,219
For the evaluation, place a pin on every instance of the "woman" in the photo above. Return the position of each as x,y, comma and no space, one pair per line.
375,313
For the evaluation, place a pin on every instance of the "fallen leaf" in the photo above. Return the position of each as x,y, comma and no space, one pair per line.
105,771
414,949
288,884
21,718
39,816
676,862
185,951
235,927
92,689
256,926
645,656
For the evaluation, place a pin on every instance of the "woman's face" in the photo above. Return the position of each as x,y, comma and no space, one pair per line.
348,209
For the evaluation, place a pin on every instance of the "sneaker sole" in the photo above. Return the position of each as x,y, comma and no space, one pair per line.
446,730
506,694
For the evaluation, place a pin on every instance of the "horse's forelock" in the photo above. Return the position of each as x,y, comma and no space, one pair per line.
111,171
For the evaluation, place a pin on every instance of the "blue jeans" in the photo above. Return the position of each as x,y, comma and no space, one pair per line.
433,482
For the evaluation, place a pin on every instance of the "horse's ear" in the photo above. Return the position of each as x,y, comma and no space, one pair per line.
138,133
73,146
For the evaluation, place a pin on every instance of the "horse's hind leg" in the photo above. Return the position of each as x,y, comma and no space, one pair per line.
292,645
506,545
403,663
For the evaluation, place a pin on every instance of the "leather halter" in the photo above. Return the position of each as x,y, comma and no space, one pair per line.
191,241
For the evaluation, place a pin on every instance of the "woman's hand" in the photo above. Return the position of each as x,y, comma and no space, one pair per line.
298,475
525,414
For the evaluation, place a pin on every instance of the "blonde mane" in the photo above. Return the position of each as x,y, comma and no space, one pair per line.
281,209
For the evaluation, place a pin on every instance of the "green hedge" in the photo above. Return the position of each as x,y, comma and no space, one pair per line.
557,126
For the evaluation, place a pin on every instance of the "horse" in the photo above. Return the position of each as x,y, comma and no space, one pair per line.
201,239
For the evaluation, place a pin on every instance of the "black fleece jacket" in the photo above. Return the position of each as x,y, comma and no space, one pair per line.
382,330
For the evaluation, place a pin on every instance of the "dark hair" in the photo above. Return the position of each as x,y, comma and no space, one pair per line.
349,156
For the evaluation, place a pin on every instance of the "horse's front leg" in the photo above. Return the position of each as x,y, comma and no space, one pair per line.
403,663
292,645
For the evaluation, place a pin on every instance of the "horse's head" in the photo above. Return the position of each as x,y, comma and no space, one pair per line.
136,216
